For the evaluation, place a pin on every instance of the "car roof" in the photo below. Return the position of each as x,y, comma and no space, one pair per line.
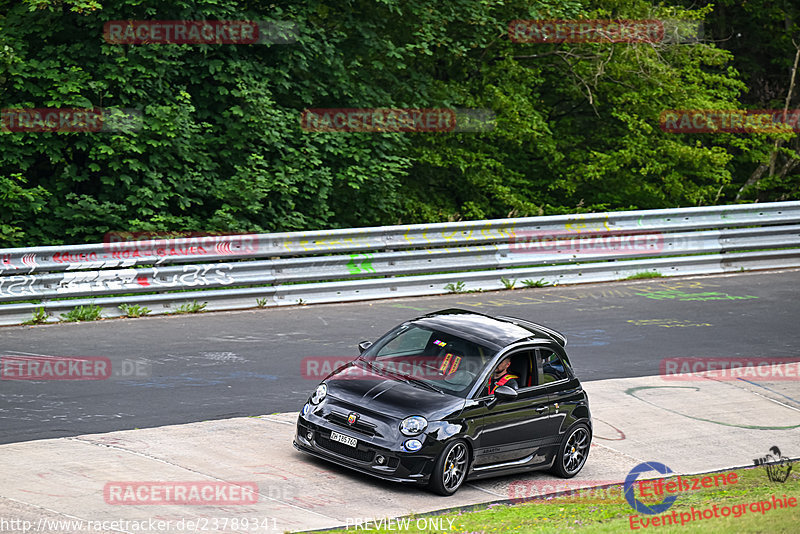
496,331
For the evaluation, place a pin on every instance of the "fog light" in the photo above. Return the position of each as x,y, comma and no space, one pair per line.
380,460
309,435
412,445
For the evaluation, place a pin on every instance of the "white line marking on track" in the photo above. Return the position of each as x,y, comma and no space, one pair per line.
265,418
772,400
487,491
640,460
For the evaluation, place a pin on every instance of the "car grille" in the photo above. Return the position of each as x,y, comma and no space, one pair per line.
360,426
344,450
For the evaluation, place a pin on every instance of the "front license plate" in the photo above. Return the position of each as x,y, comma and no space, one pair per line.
341,438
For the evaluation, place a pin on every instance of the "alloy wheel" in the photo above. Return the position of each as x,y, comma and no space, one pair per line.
455,467
576,450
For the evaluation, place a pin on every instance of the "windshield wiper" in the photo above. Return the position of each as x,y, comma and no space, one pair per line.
408,378
415,380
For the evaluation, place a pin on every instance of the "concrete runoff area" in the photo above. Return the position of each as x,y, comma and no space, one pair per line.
695,425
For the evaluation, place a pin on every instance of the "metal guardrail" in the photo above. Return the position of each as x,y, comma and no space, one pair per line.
394,261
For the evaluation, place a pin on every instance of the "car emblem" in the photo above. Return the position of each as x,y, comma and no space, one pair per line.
352,418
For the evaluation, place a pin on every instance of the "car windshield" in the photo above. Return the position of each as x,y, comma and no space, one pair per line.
447,362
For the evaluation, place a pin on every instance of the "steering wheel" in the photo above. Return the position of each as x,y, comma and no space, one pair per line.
461,377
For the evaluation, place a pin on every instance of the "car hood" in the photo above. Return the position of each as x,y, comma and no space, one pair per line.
358,385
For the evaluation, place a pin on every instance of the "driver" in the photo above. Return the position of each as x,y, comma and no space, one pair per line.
501,377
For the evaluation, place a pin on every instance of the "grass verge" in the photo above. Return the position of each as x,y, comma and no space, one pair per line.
644,274
607,511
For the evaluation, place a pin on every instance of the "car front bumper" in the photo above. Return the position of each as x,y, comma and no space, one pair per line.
377,459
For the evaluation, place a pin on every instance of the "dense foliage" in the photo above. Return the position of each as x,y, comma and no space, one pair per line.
221,147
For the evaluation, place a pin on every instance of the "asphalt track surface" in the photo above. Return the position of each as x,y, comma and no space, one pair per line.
232,364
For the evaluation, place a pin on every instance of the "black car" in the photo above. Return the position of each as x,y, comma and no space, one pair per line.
415,406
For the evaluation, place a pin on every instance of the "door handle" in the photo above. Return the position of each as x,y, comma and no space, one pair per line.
541,409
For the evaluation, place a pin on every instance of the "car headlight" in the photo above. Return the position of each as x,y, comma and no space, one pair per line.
306,409
411,426
319,394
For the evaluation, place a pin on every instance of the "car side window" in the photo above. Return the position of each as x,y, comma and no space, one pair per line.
553,368
523,366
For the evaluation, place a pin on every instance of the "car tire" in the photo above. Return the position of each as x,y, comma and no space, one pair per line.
450,468
572,452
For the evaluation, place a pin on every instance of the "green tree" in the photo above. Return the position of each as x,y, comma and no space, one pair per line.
221,148
578,127
764,38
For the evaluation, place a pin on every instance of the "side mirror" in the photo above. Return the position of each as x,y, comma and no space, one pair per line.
364,345
506,393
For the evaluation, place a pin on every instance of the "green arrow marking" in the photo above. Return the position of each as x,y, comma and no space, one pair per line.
366,265
351,265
